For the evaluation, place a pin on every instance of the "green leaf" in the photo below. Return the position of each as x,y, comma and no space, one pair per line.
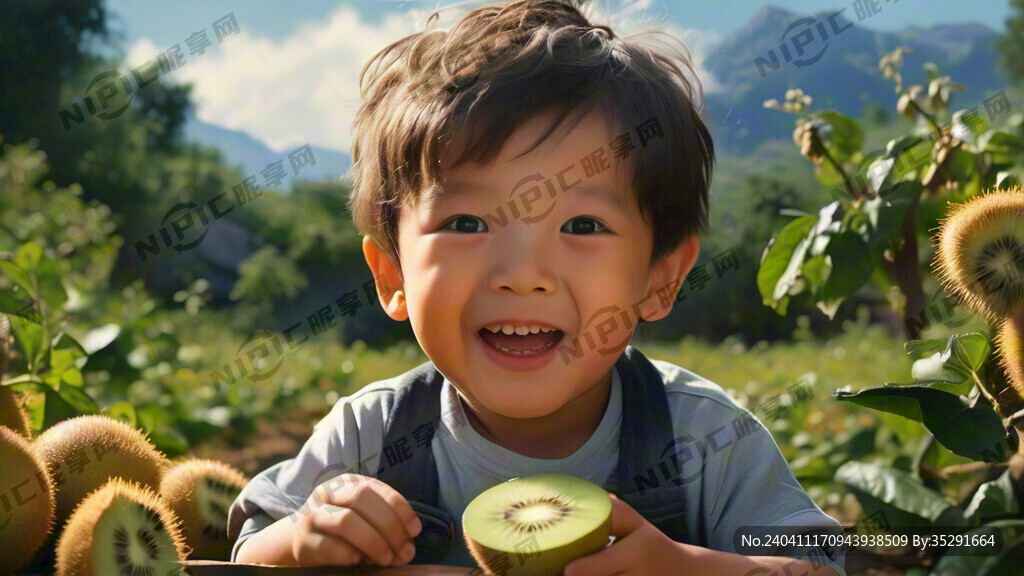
886,211
781,263
1008,562
968,126
972,431
993,499
66,403
846,137
28,256
856,264
19,276
960,165
31,338
898,495
1001,147
64,341
125,412
959,363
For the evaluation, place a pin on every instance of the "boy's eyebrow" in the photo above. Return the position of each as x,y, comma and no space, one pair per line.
435,194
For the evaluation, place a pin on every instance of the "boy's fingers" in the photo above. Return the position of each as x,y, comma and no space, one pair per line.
624,519
349,525
405,514
349,488
327,550
380,505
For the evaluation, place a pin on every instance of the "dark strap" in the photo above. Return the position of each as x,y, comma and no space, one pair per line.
648,469
407,462
645,446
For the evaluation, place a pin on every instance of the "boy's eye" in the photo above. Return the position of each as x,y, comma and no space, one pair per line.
466,224
583,226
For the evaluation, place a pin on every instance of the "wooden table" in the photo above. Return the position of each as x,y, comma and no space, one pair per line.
209,568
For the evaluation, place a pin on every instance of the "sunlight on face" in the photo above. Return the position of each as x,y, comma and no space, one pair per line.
544,240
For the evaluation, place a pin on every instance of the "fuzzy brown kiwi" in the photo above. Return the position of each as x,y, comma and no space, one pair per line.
979,253
82,453
122,528
200,493
1009,342
26,501
12,415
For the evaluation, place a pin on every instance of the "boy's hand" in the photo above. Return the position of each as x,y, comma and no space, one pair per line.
639,549
354,519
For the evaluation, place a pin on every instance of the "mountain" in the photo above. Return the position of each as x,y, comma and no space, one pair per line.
252,155
833,58
838,67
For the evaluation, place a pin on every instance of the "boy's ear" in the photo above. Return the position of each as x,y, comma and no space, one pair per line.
388,278
666,279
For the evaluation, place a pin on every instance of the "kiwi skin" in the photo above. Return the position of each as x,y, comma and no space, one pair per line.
1009,342
207,537
82,453
26,501
12,415
75,549
971,250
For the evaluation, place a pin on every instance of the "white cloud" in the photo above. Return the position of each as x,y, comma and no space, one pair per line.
304,88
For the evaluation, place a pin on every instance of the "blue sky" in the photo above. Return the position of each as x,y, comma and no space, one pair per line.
290,75
165,22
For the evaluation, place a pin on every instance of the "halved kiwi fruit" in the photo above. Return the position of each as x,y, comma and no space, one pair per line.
200,493
121,529
980,252
82,453
535,525
26,501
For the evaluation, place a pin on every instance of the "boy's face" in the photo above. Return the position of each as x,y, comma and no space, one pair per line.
560,264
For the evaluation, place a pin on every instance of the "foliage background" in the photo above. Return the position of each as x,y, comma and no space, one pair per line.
153,333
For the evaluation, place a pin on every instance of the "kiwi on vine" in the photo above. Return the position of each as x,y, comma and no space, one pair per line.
536,525
122,528
26,501
82,453
200,493
980,252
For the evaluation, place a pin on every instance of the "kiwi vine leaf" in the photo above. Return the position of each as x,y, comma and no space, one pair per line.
883,207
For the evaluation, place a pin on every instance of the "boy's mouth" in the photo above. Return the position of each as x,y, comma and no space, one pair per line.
521,344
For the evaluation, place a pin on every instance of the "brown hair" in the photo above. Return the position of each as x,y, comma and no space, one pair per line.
498,67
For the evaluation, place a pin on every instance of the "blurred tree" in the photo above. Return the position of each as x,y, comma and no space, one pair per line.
1011,45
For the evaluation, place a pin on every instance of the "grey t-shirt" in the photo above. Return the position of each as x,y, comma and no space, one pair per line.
739,479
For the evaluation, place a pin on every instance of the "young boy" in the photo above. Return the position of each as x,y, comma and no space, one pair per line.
531,187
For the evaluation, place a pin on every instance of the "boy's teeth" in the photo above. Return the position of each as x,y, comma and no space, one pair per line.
509,330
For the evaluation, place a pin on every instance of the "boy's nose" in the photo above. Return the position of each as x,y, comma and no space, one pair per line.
524,267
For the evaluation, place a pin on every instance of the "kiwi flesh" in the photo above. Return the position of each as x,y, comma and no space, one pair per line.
200,493
536,525
122,529
82,453
26,501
